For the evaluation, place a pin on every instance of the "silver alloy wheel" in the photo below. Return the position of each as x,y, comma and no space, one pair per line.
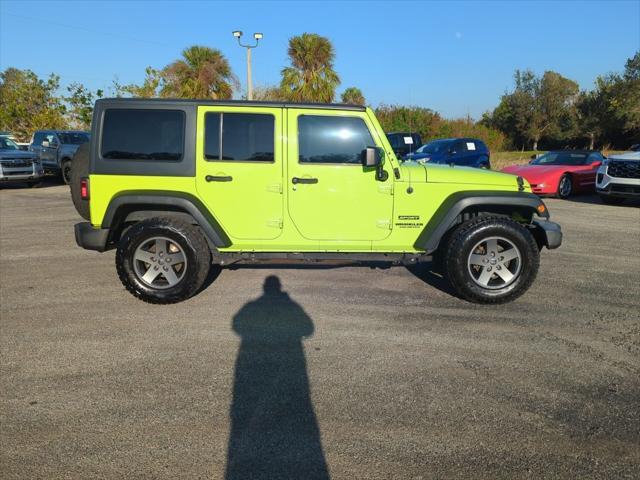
159,262
494,263
565,186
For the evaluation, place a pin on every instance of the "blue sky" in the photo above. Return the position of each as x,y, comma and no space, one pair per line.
454,57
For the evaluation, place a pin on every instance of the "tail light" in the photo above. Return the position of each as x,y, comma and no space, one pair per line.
84,188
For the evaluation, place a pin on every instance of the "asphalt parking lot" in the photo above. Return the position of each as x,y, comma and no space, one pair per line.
353,373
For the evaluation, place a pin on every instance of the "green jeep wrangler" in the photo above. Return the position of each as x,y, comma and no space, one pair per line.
181,187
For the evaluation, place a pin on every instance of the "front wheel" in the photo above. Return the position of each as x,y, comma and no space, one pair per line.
491,260
565,186
163,260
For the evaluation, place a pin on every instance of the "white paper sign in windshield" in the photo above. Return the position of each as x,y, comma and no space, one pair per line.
408,141
471,146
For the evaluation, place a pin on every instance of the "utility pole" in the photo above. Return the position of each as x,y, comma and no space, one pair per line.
257,37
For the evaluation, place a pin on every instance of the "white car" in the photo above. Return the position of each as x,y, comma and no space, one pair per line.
618,178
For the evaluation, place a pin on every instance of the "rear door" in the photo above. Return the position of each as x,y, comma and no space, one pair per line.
331,196
239,169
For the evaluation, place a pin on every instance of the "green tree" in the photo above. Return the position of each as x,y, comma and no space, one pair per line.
395,118
269,94
353,96
150,87
80,101
203,72
538,107
311,77
28,103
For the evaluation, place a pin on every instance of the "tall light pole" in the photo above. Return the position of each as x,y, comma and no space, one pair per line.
257,37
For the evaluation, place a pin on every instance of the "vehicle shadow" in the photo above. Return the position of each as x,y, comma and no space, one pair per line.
274,431
46,182
595,200
430,274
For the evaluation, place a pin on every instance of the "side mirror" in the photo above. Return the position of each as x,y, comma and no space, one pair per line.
45,143
372,157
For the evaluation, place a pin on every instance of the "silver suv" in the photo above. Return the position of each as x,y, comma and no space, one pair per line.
17,165
618,178
56,149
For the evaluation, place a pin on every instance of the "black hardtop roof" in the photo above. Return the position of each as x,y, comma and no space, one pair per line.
231,103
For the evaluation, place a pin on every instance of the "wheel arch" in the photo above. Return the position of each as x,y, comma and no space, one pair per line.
133,206
462,206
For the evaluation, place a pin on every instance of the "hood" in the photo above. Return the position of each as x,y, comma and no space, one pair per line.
537,172
16,154
467,175
626,156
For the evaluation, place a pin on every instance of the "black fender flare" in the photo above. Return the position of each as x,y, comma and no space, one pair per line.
129,201
455,204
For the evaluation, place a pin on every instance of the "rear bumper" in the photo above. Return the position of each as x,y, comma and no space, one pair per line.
549,233
91,238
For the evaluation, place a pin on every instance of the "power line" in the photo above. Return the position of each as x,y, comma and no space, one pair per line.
90,30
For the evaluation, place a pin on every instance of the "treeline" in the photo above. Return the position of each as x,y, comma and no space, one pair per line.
546,111
551,111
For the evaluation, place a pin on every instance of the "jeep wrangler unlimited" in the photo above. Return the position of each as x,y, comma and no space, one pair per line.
180,187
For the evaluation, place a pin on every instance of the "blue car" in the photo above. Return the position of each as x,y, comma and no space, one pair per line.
466,152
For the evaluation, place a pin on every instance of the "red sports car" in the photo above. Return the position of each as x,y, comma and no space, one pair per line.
560,172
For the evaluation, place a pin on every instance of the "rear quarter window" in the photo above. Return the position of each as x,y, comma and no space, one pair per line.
154,134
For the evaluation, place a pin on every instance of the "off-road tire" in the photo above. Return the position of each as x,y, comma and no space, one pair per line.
79,171
466,236
189,239
565,194
606,199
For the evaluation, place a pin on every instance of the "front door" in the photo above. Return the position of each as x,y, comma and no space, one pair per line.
331,196
49,155
239,170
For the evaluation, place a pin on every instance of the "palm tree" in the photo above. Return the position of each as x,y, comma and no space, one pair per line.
353,96
203,72
311,77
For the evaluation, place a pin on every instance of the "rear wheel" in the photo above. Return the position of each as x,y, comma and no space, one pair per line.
491,260
565,186
163,260
65,171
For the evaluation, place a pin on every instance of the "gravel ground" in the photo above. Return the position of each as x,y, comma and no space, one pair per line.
346,373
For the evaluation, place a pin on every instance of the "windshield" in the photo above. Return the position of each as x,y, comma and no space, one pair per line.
8,144
73,138
434,147
560,158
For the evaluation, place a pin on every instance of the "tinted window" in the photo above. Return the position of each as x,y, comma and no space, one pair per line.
143,134
332,139
560,158
73,138
7,144
246,137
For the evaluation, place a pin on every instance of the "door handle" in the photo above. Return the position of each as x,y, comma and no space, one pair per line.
218,178
296,180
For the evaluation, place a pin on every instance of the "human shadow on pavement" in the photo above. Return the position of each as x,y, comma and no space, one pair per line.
274,431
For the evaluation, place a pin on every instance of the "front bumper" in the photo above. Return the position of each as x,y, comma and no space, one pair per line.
615,186
548,233
30,173
91,238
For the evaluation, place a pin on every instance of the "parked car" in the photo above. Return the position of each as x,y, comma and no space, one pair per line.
404,143
618,178
173,192
560,173
56,148
17,165
466,152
